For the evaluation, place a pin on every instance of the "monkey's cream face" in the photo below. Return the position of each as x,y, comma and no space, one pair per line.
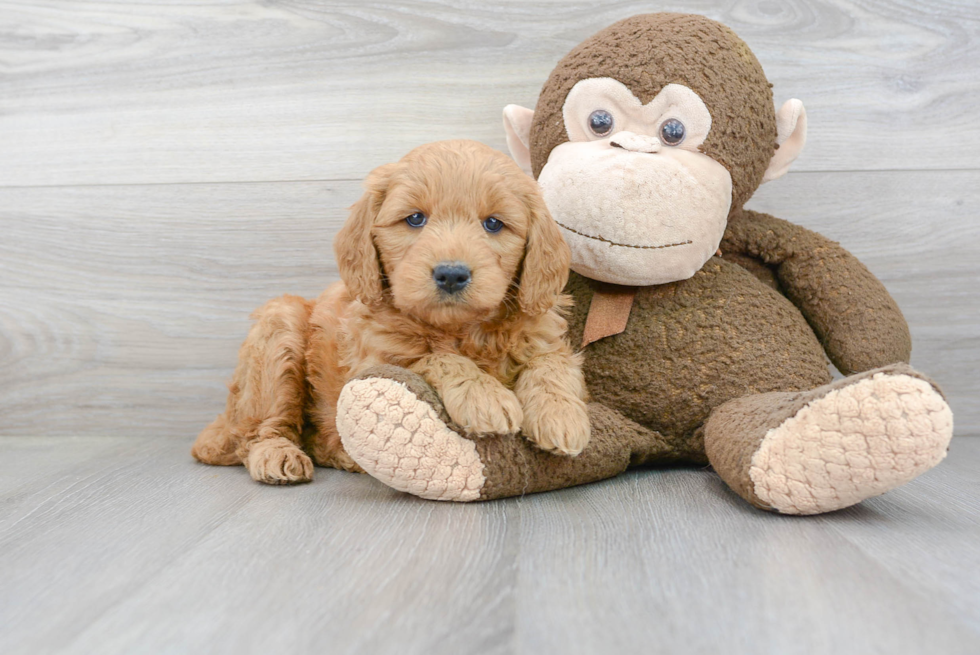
637,202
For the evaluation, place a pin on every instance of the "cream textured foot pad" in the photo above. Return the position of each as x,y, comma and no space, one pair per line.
401,441
856,442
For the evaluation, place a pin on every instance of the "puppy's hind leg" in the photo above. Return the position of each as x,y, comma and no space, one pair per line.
263,420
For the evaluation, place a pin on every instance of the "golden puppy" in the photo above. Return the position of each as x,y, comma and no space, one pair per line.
453,268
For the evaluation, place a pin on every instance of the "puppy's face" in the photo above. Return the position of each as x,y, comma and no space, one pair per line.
451,234
459,230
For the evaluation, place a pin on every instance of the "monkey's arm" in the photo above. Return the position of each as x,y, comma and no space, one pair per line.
849,309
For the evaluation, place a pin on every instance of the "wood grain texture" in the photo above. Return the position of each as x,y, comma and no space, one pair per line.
123,307
123,545
152,92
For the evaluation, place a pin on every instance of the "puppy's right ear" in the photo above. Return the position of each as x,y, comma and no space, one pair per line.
546,261
357,258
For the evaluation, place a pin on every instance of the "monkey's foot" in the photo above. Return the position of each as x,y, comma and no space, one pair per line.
834,446
394,426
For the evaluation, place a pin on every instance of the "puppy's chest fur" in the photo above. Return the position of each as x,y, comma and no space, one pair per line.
501,348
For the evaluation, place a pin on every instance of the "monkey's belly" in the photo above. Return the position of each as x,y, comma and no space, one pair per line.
691,345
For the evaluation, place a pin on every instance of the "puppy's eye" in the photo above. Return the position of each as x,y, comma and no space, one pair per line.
672,132
600,122
417,219
492,224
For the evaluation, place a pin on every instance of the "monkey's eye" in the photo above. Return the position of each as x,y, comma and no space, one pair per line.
492,224
417,219
600,122
672,132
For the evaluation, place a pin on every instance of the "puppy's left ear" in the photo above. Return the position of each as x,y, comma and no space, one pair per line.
357,258
546,260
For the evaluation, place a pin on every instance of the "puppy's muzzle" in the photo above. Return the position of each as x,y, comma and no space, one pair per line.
451,277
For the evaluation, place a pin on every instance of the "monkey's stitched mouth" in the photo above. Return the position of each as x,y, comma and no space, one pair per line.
624,245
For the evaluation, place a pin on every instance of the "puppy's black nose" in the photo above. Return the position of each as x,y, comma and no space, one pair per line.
451,277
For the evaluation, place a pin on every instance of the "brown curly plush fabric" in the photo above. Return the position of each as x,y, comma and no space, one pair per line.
691,50
727,332
857,321
514,466
692,345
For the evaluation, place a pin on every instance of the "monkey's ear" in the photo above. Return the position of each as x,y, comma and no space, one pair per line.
546,260
517,126
357,258
790,135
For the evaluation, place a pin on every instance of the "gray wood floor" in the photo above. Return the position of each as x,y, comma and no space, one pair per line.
125,545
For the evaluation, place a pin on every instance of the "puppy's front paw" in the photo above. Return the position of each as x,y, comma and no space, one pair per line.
557,424
278,461
482,409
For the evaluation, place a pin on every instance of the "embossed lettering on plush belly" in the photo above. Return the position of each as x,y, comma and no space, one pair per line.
691,345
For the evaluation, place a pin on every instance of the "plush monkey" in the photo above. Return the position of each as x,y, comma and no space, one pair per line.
706,326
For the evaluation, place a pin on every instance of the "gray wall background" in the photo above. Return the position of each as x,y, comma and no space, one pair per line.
165,168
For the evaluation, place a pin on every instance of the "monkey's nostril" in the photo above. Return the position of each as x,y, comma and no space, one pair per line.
451,277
